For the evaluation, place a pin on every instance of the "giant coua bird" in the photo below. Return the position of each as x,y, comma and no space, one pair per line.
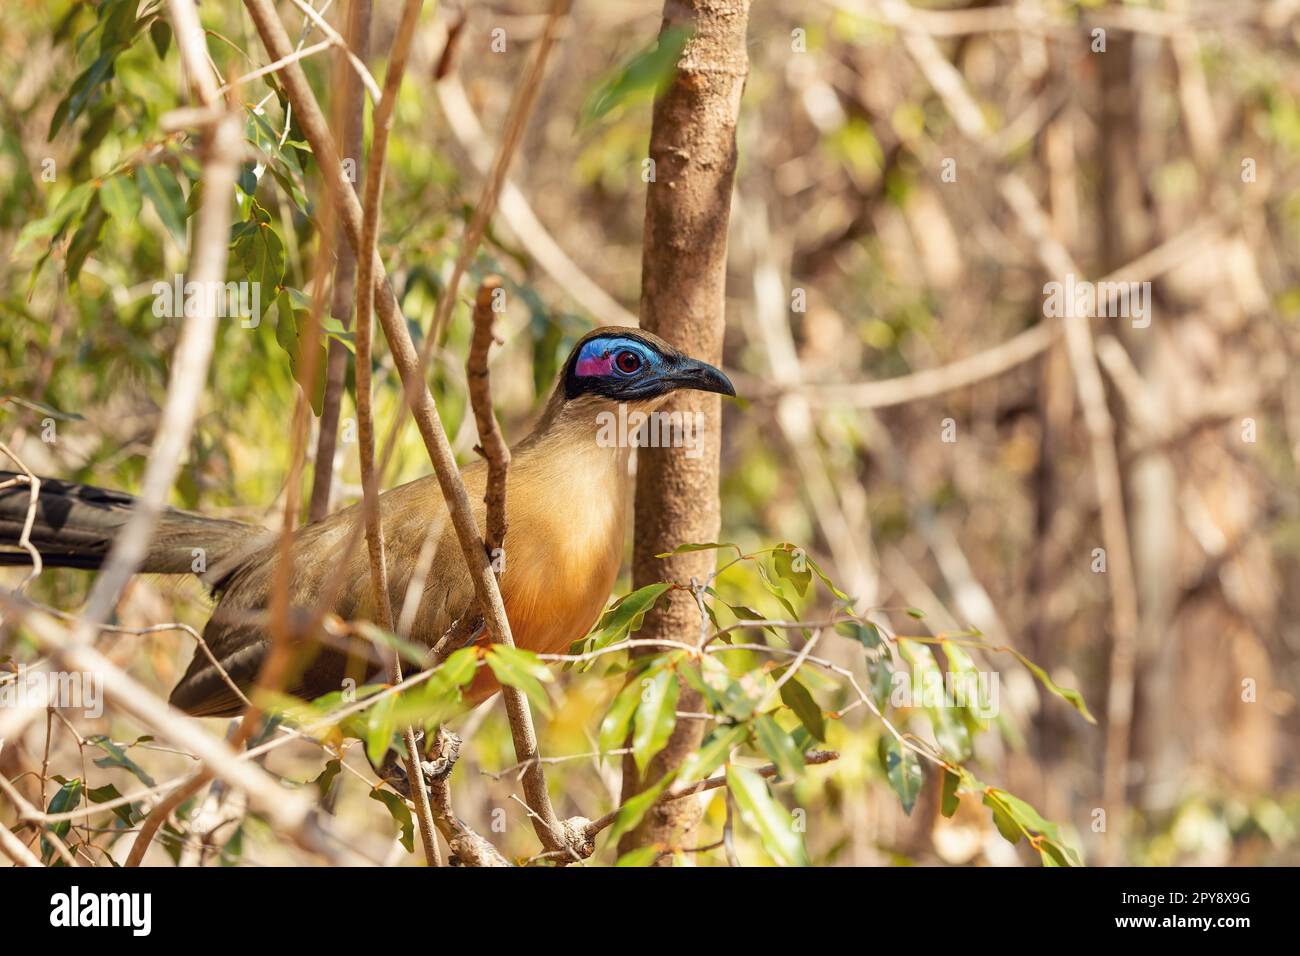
566,498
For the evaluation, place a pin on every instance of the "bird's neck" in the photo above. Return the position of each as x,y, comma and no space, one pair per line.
568,504
582,433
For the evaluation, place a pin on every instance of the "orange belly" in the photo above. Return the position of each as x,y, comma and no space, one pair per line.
550,605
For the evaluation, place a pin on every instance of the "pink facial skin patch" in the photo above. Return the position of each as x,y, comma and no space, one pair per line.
595,365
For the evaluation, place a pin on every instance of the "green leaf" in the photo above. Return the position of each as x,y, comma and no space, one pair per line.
119,23
656,716
380,725
744,613
613,729
633,809
233,851
1014,817
120,196
117,758
159,186
1072,697
928,680
700,763
975,706
433,701
643,74
515,667
258,255
44,409
83,90
290,325
778,746
401,815
334,329
173,844
864,632
880,662
641,856
376,635
784,562
902,769
67,798
830,585
160,32
692,675
800,700
776,591
950,800
627,614
124,812
459,667
1002,820
53,226
916,613
42,228
85,239
706,546
325,779
766,817
247,179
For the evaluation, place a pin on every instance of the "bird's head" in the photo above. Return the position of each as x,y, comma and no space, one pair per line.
618,364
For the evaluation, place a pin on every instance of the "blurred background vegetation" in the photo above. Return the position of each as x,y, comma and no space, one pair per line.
854,259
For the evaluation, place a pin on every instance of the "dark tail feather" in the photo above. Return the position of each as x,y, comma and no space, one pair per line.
75,525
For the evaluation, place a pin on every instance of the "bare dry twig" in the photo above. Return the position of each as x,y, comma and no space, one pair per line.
1081,349
519,216
221,145
287,811
14,848
33,483
491,445
411,367
521,107
220,151
383,120
351,119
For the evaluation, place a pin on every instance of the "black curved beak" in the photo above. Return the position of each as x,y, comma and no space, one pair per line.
702,377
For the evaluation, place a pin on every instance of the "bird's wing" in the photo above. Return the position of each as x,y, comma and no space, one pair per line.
236,634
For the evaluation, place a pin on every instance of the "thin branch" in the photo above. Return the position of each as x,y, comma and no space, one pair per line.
491,445
1056,260
28,813
280,64
519,216
729,832
468,847
933,382
804,653
995,360
159,814
366,78
351,111
220,152
16,850
159,629
411,367
383,121
220,149
812,757
286,811
521,107
29,478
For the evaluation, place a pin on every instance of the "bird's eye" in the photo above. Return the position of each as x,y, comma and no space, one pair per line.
627,362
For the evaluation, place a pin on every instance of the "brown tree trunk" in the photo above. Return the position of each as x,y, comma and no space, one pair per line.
683,285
